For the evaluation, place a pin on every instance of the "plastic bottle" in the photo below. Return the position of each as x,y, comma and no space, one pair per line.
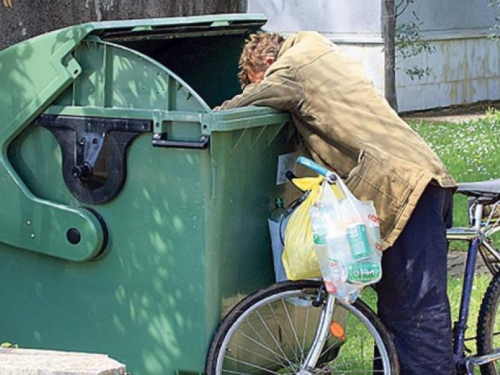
357,237
279,210
333,269
356,232
332,253
336,250
319,237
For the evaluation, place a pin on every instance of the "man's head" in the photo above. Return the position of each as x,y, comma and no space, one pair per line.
260,51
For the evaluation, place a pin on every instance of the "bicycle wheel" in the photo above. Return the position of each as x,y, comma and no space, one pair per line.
488,325
272,330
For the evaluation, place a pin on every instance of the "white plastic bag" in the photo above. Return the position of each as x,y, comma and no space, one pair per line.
277,232
346,240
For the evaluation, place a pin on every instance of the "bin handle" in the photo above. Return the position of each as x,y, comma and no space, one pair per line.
160,141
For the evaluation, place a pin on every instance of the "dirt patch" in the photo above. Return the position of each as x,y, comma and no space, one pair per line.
461,113
456,263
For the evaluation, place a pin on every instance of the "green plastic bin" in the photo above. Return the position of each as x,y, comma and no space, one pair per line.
132,216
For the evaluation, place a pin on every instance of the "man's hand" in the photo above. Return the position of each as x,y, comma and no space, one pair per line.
7,3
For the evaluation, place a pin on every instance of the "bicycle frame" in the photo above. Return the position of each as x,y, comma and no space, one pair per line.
476,235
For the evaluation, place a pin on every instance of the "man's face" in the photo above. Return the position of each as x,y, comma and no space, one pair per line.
255,76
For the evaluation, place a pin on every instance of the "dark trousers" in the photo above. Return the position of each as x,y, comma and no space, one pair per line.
412,299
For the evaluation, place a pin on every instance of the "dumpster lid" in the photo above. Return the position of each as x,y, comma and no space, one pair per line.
148,29
37,70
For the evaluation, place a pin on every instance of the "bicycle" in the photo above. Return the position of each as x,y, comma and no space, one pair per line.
324,351
482,195
295,327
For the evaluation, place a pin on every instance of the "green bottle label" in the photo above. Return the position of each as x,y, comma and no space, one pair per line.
358,241
363,273
319,239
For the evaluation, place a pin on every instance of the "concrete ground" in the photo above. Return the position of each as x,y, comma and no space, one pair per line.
47,362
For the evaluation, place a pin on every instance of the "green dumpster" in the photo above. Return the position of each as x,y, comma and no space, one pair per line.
132,216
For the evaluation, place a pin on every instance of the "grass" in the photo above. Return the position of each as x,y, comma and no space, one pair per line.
470,151
454,294
481,282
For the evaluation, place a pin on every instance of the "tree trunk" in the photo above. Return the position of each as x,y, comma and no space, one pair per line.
389,34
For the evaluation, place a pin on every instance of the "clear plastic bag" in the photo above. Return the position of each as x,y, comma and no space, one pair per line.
346,239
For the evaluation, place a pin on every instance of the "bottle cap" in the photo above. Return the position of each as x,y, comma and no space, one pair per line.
279,202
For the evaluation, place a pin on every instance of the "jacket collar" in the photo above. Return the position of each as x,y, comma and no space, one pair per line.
287,44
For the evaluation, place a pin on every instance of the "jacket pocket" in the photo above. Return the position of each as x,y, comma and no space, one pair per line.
377,180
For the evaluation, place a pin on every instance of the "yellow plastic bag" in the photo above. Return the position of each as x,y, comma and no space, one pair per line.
299,256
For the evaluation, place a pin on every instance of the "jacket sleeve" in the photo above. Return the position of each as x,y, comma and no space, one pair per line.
280,89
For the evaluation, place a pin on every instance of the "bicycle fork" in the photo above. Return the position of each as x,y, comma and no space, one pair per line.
320,338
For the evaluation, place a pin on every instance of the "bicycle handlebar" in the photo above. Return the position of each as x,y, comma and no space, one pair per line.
329,175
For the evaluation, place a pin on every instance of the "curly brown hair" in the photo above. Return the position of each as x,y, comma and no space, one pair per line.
257,48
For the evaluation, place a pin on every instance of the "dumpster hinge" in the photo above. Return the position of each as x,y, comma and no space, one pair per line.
94,152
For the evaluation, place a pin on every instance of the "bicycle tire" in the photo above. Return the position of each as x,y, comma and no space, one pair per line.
260,336
488,325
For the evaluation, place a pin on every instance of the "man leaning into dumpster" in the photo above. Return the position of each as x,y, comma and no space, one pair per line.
346,125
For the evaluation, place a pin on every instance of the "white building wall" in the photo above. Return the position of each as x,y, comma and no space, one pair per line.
328,16
354,26
450,15
462,71
465,67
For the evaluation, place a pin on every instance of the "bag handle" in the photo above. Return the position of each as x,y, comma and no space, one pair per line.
306,162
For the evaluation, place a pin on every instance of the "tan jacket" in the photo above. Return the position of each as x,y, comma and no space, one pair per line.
349,127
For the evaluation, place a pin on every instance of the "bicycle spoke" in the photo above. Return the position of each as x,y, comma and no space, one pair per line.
264,346
272,337
283,330
253,353
303,356
292,327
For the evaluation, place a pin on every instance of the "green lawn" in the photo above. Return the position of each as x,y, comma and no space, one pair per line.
470,151
454,293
